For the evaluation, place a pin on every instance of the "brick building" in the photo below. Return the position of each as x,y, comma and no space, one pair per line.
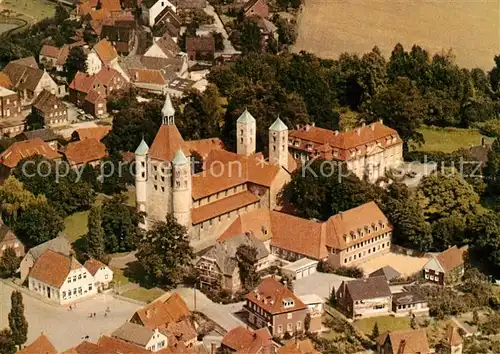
51,108
446,267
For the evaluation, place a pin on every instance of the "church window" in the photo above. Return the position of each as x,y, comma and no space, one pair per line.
241,131
274,139
163,189
156,187
185,183
178,183
155,168
241,140
143,175
282,147
143,164
274,147
163,179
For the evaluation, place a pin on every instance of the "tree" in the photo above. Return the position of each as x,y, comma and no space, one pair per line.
38,224
413,322
14,199
401,107
219,41
34,122
164,252
333,297
475,317
492,170
120,223
484,233
246,257
76,61
89,36
287,32
17,322
95,235
7,345
61,14
9,262
448,231
250,40
375,331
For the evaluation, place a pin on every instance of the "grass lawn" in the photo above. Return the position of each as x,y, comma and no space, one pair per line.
130,194
385,323
449,139
119,278
143,294
32,9
75,225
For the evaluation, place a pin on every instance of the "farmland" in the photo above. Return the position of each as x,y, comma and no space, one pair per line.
470,28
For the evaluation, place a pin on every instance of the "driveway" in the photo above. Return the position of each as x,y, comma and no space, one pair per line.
319,284
66,328
228,46
223,315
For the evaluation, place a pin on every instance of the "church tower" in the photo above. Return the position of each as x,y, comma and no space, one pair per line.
168,111
278,143
182,194
141,175
245,134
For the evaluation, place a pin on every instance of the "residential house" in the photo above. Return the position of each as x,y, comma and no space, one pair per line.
200,48
298,347
51,57
368,297
257,8
218,267
245,340
41,345
168,22
348,238
409,303
178,87
50,108
29,81
120,34
60,244
152,10
316,306
47,135
94,63
453,342
275,306
98,133
190,4
103,275
267,30
446,267
149,80
23,149
172,316
9,240
164,47
106,52
11,119
387,271
60,278
150,339
403,342
88,151
368,150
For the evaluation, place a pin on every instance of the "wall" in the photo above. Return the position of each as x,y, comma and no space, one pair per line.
364,251
289,322
81,285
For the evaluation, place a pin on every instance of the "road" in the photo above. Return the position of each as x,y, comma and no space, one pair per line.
228,46
66,328
223,315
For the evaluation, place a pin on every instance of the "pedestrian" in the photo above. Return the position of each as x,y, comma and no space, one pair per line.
94,314
105,314
70,307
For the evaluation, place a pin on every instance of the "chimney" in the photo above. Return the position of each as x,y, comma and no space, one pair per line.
213,348
308,127
336,132
358,131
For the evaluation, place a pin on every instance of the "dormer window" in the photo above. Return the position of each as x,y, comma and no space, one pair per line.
335,153
309,147
296,143
288,302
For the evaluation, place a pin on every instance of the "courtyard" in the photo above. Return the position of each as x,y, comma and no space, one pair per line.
318,283
67,328
406,265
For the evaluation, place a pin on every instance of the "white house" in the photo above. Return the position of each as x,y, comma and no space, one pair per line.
60,278
102,274
94,64
150,13
147,338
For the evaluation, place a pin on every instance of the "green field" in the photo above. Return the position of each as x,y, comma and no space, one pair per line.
449,139
143,294
33,10
75,225
385,323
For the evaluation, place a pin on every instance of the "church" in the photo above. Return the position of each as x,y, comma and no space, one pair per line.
229,185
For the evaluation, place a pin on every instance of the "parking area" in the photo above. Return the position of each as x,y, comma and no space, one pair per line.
406,265
66,328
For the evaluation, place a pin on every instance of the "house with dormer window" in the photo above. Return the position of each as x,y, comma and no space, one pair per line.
275,306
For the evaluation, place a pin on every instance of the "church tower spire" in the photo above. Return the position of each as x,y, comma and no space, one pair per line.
168,111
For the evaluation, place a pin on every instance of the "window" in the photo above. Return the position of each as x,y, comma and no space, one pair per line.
90,287
280,329
106,276
84,275
74,291
80,290
64,294
289,327
289,316
79,276
69,280
74,277
299,325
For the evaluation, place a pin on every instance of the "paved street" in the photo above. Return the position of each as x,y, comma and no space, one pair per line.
66,328
228,46
223,315
318,283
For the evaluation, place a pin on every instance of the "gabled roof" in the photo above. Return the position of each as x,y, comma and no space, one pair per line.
116,346
41,345
270,295
243,340
111,5
160,314
223,206
368,288
168,46
5,81
407,297
147,76
97,133
84,151
93,265
22,149
302,347
388,272
203,146
105,51
453,337
134,333
451,258
202,44
23,75
52,268
406,342
47,101
60,244
6,233
45,134
50,51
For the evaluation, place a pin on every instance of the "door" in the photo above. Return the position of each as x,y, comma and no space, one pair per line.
48,293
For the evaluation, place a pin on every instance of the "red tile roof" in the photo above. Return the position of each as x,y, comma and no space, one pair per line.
222,206
301,347
105,51
93,265
203,146
160,314
244,340
5,81
111,5
82,82
50,51
451,258
85,151
52,268
201,44
406,342
269,295
41,345
22,149
167,141
116,346
93,132
147,76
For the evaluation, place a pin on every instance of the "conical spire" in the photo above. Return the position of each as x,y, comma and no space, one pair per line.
179,158
278,126
246,117
142,149
168,111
